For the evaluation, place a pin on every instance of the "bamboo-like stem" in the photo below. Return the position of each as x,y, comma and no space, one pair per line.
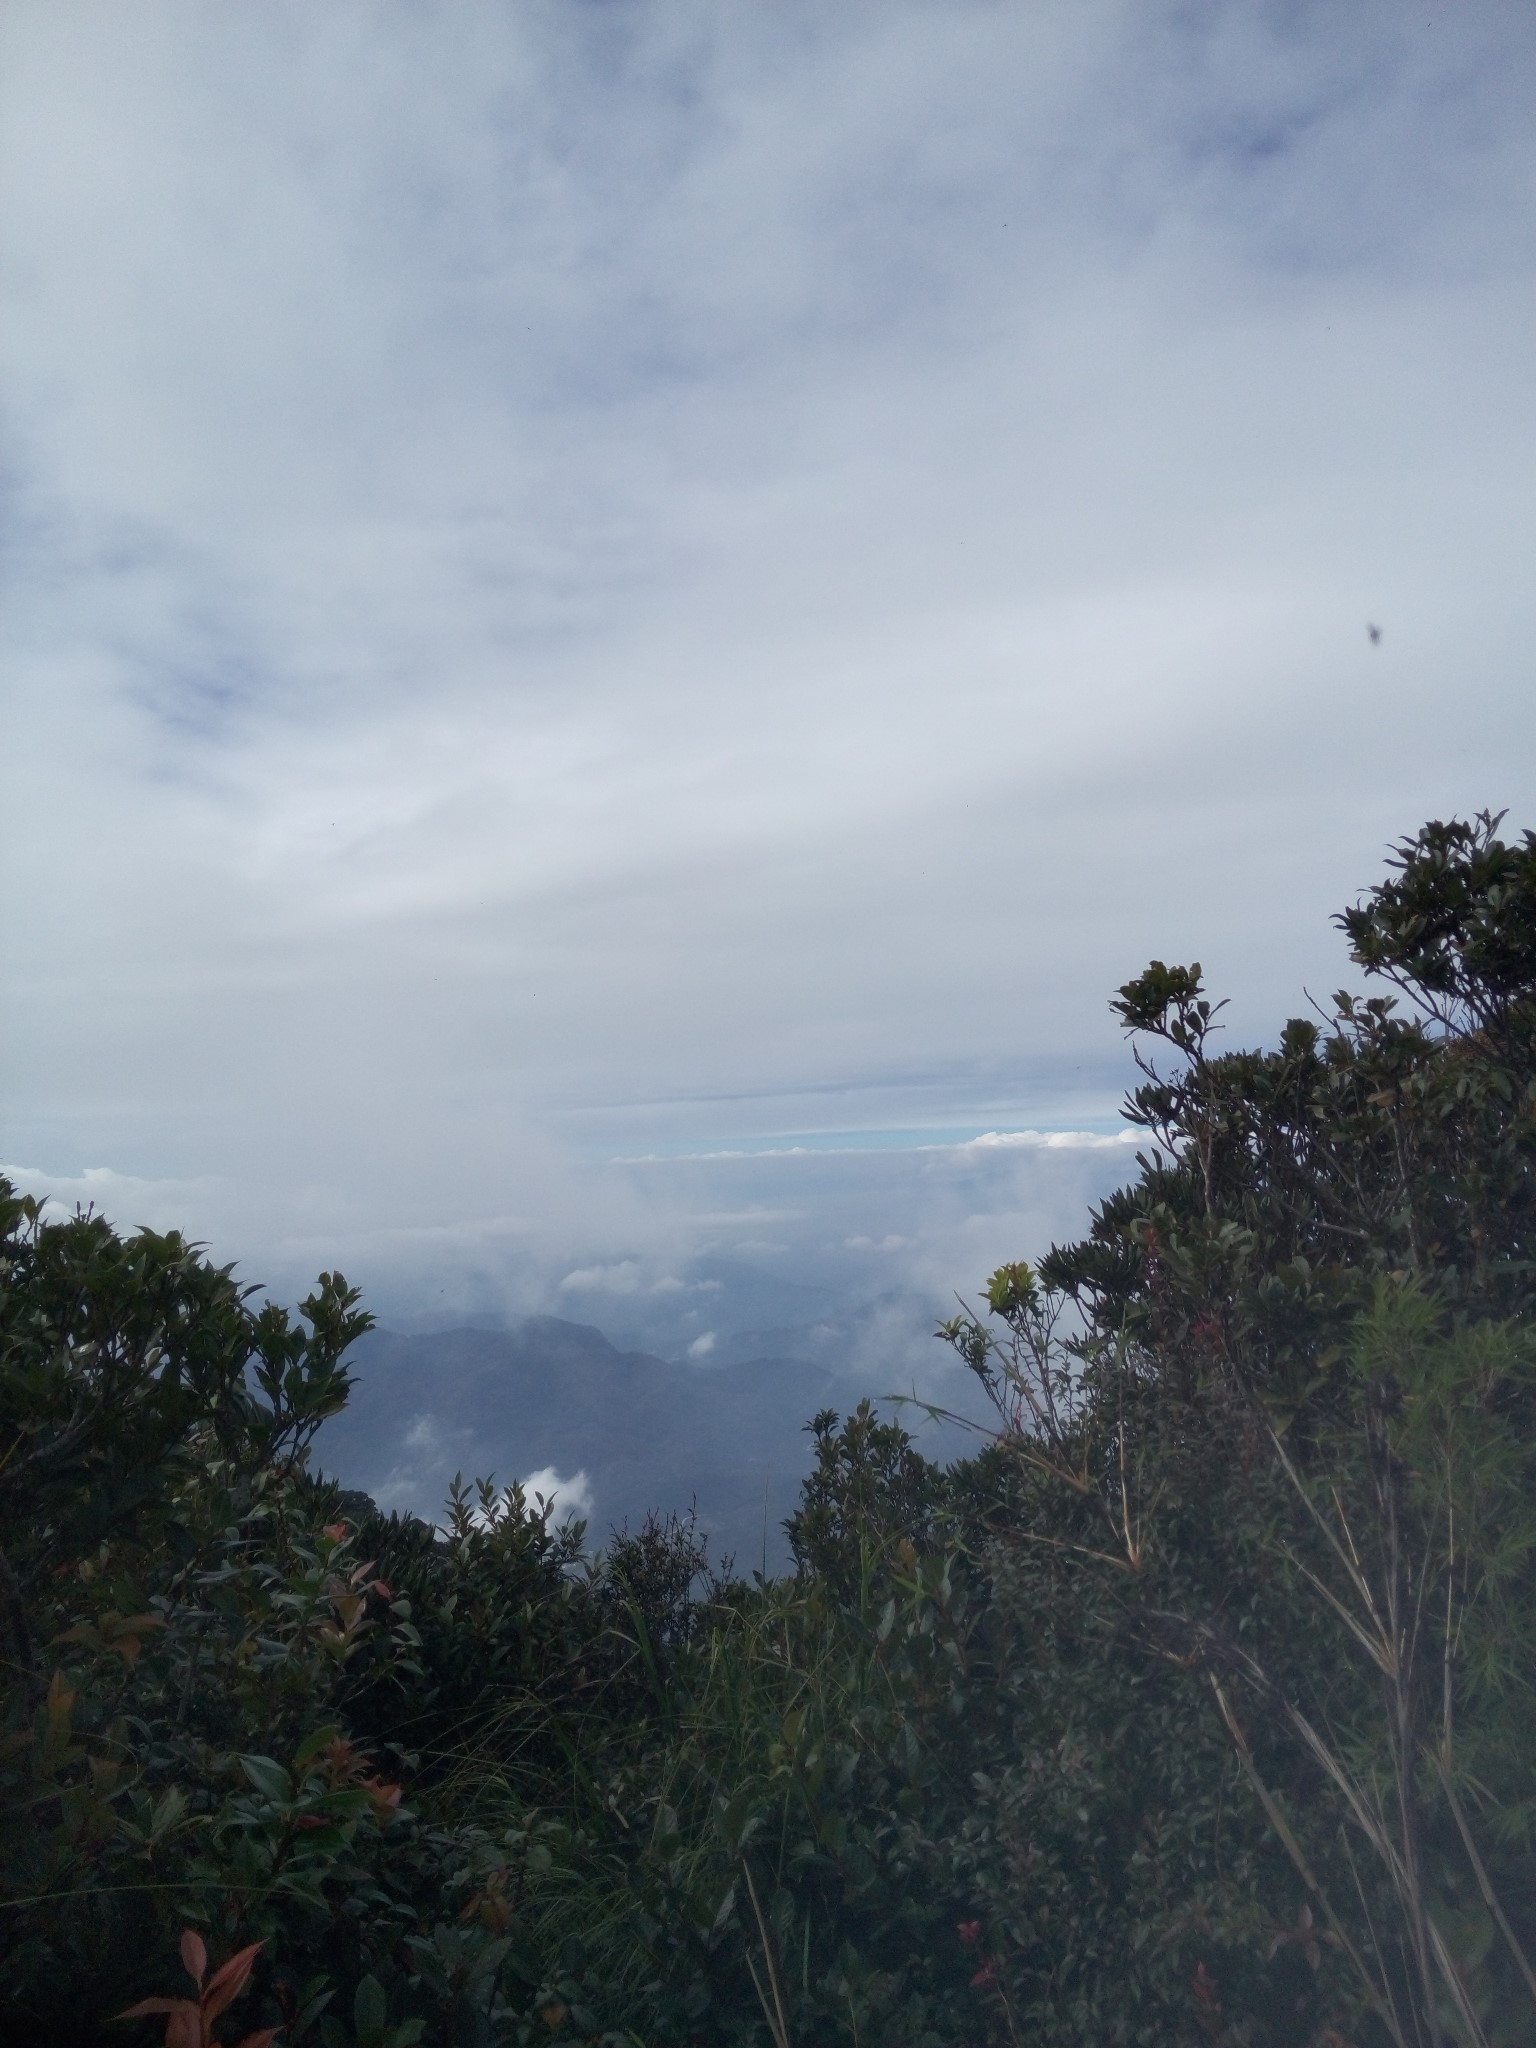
1365,1908
1484,1883
778,2023
1445,1962
780,2038
1380,2002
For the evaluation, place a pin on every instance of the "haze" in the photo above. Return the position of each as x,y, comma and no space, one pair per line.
618,621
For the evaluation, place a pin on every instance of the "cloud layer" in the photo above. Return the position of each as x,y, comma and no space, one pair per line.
586,584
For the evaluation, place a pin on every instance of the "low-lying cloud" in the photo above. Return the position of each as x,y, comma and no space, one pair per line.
618,623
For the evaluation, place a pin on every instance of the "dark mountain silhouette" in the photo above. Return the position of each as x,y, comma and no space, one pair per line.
647,1433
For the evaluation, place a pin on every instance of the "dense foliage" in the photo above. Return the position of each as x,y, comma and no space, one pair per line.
1193,1708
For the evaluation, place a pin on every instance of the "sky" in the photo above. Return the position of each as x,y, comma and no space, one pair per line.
617,621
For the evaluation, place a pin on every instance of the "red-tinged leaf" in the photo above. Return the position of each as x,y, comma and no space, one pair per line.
260,2039
386,1799
337,1531
194,1956
146,2006
228,1982
384,1592
186,2028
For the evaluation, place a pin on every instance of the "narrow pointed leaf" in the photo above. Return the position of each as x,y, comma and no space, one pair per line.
228,1982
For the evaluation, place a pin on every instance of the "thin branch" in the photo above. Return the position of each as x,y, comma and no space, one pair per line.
1119,1564
1350,1558
1379,1652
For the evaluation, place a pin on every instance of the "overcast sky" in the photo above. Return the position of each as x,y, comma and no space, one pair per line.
589,584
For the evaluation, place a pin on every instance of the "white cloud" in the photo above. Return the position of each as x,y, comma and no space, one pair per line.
127,1198
702,1345
622,1277
571,1497
1060,1141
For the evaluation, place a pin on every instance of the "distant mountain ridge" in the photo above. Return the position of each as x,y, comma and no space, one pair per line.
645,1432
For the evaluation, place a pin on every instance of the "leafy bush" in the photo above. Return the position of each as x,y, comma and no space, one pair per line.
1282,1398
